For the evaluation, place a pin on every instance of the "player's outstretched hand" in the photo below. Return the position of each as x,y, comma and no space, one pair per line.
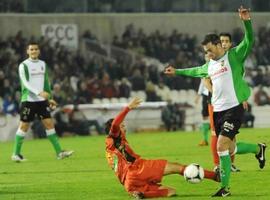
169,70
134,103
244,13
52,104
44,94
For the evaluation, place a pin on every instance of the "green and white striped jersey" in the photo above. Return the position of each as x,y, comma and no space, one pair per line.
34,79
227,74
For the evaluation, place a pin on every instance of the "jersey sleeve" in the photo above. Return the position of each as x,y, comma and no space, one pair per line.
244,48
24,76
47,85
200,71
115,128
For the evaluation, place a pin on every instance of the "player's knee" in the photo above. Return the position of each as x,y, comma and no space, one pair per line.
223,144
171,192
24,126
48,124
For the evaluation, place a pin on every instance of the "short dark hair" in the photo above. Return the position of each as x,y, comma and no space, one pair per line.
226,34
31,43
211,37
108,125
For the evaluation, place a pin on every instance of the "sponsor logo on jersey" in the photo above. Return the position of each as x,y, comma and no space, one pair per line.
220,71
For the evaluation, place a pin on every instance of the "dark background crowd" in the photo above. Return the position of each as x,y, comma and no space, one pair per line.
76,79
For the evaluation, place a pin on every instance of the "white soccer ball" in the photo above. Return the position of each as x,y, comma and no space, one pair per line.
193,173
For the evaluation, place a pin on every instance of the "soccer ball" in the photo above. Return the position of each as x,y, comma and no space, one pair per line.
193,173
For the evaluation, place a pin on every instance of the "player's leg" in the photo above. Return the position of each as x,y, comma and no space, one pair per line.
43,112
52,136
213,138
233,166
171,191
227,123
19,138
177,168
257,149
27,113
223,146
144,177
153,191
205,123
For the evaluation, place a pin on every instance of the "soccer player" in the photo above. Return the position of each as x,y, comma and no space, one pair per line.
204,93
230,90
140,177
226,43
36,100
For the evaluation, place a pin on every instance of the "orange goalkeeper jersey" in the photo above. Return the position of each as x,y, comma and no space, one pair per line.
119,154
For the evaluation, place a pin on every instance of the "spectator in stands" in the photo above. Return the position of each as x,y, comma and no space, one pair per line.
163,91
261,97
258,79
176,47
93,86
39,130
171,116
137,81
108,88
116,41
88,35
58,94
62,123
124,88
83,95
9,105
248,118
2,78
8,89
80,124
151,94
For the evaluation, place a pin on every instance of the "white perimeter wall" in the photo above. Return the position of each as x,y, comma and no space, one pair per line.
147,117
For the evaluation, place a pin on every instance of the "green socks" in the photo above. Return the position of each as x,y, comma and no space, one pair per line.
205,128
19,137
225,168
243,148
54,140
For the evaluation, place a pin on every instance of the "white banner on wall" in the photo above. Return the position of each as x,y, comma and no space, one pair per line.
65,34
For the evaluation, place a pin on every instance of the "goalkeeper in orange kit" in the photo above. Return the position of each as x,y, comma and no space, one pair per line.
140,177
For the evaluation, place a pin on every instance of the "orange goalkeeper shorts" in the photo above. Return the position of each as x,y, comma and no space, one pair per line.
144,176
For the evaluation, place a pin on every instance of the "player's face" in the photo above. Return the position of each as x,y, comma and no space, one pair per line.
211,50
225,42
33,51
207,57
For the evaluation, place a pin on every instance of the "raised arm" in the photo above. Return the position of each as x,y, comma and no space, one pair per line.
115,128
244,48
200,71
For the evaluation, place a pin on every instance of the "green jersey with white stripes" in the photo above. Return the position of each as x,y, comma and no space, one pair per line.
34,79
227,74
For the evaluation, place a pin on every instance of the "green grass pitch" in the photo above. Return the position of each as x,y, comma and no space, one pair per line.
86,175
